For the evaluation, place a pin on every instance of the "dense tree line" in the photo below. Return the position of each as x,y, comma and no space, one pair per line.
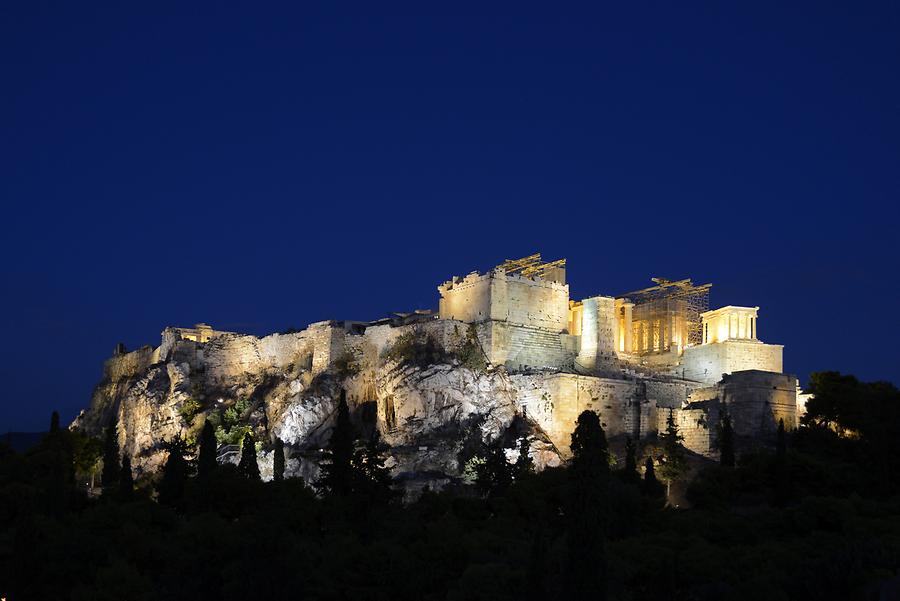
814,518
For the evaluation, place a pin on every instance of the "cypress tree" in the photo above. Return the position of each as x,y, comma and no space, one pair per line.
674,459
54,422
126,480
726,441
524,463
278,461
248,465
337,472
586,511
495,474
206,459
630,473
372,479
174,477
111,467
650,486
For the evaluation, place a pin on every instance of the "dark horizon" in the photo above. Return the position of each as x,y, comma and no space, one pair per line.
263,170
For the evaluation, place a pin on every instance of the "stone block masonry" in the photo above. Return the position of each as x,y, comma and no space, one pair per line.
556,400
696,423
707,362
521,347
506,297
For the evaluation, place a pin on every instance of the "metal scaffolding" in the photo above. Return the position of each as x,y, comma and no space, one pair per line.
532,266
681,296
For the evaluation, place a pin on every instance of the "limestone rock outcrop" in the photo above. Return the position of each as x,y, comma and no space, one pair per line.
430,417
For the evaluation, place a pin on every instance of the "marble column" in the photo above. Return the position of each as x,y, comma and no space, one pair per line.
627,326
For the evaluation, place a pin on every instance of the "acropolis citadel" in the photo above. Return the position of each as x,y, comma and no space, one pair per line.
635,358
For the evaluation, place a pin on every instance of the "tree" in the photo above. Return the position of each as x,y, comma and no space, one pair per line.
524,463
586,510
630,473
372,478
782,474
111,467
674,459
206,459
54,422
248,465
174,475
87,452
126,480
650,486
494,474
337,472
278,460
726,440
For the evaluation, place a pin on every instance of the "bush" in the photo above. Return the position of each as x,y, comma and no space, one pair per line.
417,348
189,410
231,429
469,352
347,365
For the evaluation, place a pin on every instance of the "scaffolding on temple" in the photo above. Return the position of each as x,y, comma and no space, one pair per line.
533,266
677,302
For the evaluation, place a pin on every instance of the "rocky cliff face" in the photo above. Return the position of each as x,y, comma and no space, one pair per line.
434,417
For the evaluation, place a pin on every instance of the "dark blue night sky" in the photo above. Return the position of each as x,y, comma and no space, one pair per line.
262,167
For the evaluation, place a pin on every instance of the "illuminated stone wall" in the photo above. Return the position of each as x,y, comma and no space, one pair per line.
231,355
696,423
511,298
598,332
707,362
673,393
128,364
755,400
532,303
466,299
521,347
554,401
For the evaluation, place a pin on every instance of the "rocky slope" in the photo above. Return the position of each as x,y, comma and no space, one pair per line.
434,417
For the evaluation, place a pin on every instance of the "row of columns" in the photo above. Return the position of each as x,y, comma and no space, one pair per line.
652,335
734,325
741,325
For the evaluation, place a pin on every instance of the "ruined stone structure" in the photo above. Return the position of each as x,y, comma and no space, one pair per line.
632,358
660,339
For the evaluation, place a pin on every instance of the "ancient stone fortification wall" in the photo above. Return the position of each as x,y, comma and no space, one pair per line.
670,393
466,299
231,355
757,400
521,347
518,300
697,423
554,401
707,362
533,303
128,364
366,350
